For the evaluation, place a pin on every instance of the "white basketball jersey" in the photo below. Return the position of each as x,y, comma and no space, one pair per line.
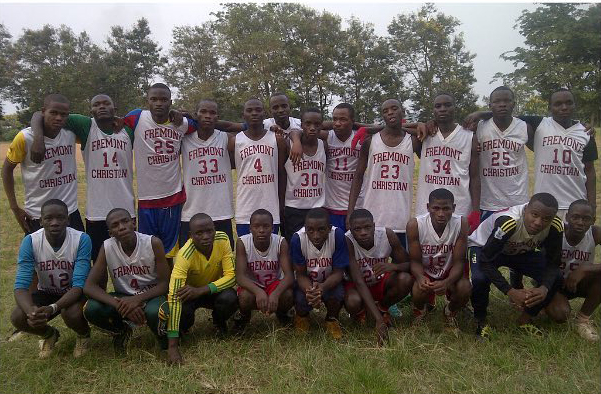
581,254
388,183
55,269
295,123
109,173
437,251
520,242
319,261
156,148
257,183
503,165
133,274
445,163
305,183
366,259
207,176
558,165
340,171
263,267
55,177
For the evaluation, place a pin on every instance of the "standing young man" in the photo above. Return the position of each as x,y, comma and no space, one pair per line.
260,157
53,178
386,163
60,256
437,248
140,275
207,160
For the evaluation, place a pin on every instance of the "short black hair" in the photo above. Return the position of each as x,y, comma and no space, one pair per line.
546,199
252,99
580,202
102,95
501,88
206,101
445,94
318,213
114,211
361,214
55,98
560,90
279,93
200,216
311,110
441,194
57,202
348,106
261,212
159,85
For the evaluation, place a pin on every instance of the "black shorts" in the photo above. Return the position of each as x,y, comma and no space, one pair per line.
294,220
224,225
98,232
74,222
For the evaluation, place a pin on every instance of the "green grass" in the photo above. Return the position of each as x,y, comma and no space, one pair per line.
269,359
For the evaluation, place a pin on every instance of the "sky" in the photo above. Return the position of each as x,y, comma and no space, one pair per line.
488,28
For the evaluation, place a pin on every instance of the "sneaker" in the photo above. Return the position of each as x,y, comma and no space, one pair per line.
482,331
82,345
47,344
240,321
16,336
333,328
531,330
450,320
395,312
120,341
586,329
301,324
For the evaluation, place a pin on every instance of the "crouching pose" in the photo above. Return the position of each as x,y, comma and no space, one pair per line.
263,271
437,248
138,269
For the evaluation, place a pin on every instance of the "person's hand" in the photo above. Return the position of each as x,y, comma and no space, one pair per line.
314,296
424,283
118,124
296,153
590,130
471,121
262,301
536,296
574,277
137,316
382,268
439,287
37,151
126,304
176,117
518,297
22,218
277,130
274,299
381,332
174,357
473,220
38,316
188,293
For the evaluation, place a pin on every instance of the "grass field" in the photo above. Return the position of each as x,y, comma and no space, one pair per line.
270,359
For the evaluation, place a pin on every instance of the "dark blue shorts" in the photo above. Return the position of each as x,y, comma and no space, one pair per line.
243,229
163,223
338,221
300,299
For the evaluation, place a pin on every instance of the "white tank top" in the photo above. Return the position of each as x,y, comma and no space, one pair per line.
55,269
340,170
319,261
366,259
445,163
109,173
437,252
207,174
305,183
295,123
503,165
520,242
133,274
55,177
582,253
156,148
558,165
264,267
388,183
257,170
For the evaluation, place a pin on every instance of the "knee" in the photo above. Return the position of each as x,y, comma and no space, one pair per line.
352,302
227,299
287,299
418,294
18,318
246,300
405,281
464,288
558,311
73,313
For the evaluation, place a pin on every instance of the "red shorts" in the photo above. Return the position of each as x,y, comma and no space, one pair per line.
269,289
376,290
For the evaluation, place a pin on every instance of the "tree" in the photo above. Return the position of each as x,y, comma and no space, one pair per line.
5,64
562,47
432,57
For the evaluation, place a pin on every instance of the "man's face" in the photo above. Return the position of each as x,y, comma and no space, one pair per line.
54,220
311,124
202,232
260,227
580,218
207,114
537,216
317,230
562,105
159,102
501,103
392,112
253,112
280,107
102,107
444,109
121,225
441,211
55,115
341,117
363,231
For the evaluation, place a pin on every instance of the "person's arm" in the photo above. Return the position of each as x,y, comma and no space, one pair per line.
398,256
300,265
357,183
287,281
504,228
282,156
474,170
97,280
530,143
24,276
231,149
227,264
8,181
584,270
296,149
230,127
458,259
415,255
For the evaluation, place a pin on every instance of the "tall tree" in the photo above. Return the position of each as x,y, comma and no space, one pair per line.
5,64
562,47
432,57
